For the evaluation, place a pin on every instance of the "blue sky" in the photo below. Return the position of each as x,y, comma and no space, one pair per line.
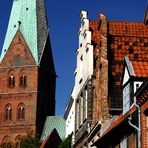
64,21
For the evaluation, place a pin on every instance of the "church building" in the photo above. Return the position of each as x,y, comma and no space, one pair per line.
27,72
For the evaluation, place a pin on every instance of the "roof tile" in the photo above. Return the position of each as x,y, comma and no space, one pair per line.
140,68
125,39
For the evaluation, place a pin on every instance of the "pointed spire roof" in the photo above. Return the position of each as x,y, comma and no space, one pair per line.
146,16
28,16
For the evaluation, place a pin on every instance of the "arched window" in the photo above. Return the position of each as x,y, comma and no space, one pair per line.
11,78
11,81
6,142
21,112
8,113
23,81
17,141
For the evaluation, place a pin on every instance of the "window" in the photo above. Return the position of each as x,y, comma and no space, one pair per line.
11,81
11,78
85,103
123,143
17,141
6,142
126,98
82,109
8,113
77,114
23,80
21,113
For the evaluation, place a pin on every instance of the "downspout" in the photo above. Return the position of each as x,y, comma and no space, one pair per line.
139,124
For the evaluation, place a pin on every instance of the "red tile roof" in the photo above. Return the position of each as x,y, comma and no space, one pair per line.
128,29
124,39
140,68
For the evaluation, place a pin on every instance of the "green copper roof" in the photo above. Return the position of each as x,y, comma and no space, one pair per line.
26,18
52,122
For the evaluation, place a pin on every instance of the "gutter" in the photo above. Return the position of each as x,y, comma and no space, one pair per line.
139,124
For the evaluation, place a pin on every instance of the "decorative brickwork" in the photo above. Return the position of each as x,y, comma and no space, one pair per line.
17,61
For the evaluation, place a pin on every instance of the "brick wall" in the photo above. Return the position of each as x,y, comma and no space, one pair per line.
18,61
100,81
143,124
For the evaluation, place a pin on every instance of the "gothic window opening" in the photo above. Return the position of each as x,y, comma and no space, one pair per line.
8,113
18,140
21,113
6,142
11,82
23,81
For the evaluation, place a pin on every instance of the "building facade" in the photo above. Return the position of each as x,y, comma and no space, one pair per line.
69,117
27,72
98,88
83,82
133,120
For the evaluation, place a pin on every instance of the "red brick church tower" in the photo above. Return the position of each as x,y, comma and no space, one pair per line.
27,73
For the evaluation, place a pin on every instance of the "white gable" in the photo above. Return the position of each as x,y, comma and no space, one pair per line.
125,76
84,67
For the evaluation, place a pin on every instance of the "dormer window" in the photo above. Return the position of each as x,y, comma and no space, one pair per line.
11,81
